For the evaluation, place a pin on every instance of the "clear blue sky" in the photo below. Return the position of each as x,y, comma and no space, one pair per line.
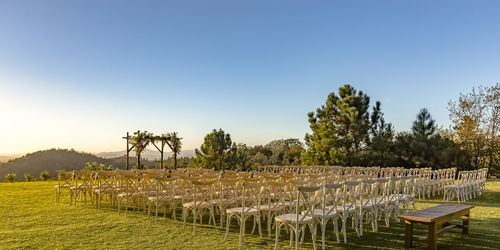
81,73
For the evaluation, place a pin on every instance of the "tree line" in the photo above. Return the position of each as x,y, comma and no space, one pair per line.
347,131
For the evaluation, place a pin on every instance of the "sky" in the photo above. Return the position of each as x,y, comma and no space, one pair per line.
80,74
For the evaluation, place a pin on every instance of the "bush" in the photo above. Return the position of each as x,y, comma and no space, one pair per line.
28,177
143,166
10,177
44,175
91,166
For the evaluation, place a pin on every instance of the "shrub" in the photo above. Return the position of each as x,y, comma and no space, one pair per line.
95,166
28,177
10,177
142,166
44,175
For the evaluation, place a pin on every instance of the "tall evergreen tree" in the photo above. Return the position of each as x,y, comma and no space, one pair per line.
381,150
215,152
424,125
340,129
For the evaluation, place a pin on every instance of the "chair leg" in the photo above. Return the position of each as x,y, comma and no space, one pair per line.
335,225
222,215
396,211
344,228
314,231
126,207
195,213
156,212
361,224
269,221
277,236
297,234
260,226
183,218
323,229
242,229
254,223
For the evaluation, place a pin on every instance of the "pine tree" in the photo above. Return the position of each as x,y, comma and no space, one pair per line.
340,129
215,152
424,125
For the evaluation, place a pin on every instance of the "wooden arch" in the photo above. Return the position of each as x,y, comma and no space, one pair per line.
163,139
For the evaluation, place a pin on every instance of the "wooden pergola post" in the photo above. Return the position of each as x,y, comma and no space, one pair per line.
161,157
127,150
127,138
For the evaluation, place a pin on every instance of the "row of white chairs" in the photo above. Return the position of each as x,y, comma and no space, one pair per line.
364,201
365,195
469,185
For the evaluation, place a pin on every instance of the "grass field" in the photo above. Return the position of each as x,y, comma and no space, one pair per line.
30,218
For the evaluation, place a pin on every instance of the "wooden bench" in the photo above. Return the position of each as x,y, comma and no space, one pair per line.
434,216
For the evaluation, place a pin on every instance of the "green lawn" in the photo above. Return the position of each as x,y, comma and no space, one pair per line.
30,218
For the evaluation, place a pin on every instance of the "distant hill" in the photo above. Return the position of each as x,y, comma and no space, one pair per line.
150,154
6,158
57,159
53,160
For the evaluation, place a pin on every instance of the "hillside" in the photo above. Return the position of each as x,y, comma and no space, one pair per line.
150,154
6,158
53,160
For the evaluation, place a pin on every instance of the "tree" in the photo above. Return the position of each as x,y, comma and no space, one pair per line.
240,157
260,155
493,127
423,147
476,125
381,146
424,125
175,145
215,152
340,129
285,151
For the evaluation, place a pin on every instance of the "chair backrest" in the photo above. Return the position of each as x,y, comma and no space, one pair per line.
85,179
274,195
307,197
227,189
202,191
406,185
331,198
367,191
107,180
65,178
165,186
462,177
381,190
350,194
129,182
252,195
396,185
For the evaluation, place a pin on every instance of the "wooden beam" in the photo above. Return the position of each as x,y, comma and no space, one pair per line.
127,151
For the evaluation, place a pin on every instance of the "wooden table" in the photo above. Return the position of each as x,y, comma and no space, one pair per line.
434,216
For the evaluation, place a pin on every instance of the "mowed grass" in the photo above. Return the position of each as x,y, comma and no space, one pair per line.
30,218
